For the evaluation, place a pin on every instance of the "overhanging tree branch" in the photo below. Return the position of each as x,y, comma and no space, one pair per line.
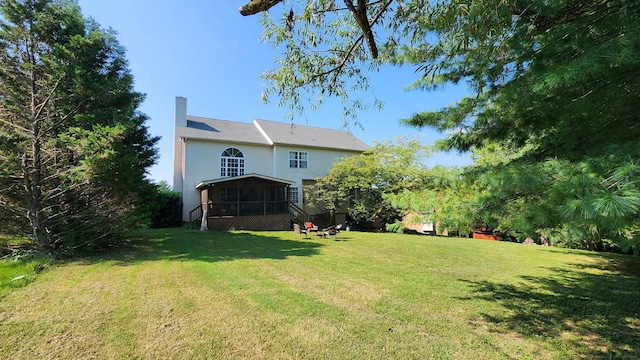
359,12
255,6
345,58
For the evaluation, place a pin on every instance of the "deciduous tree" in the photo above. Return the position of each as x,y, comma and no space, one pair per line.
359,183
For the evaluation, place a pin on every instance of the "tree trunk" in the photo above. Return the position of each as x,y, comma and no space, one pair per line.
33,182
33,171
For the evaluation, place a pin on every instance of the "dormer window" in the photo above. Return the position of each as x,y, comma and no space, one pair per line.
231,163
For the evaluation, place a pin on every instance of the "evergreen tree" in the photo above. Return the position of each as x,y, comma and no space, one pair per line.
165,210
73,146
552,115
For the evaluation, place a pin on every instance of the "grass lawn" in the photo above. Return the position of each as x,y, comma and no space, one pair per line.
183,294
18,270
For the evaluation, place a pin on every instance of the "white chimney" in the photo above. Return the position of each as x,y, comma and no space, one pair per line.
181,111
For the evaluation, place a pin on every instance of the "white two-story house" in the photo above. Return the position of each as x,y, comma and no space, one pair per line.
250,175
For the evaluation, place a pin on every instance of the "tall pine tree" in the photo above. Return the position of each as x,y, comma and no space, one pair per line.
73,147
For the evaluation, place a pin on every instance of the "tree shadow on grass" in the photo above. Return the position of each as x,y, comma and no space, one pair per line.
586,312
177,244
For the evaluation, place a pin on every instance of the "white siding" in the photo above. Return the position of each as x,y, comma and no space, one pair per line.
202,162
320,161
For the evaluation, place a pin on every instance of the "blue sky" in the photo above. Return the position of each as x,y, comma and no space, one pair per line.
207,52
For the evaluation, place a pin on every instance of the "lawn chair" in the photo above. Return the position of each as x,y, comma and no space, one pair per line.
309,227
332,231
298,230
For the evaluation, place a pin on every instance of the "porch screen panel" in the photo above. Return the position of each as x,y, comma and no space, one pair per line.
245,200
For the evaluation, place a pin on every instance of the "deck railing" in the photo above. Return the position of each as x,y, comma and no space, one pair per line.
251,208
195,214
299,215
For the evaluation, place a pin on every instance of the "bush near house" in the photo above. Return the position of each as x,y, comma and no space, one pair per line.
168,211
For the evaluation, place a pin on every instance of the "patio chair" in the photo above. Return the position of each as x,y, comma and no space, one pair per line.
332,231
309,227
298,230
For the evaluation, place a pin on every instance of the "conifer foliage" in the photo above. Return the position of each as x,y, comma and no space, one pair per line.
552,114
74,149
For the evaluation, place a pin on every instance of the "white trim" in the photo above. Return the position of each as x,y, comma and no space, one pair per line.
263,132
245,176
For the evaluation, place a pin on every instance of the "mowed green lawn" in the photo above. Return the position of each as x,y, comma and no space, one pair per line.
180,294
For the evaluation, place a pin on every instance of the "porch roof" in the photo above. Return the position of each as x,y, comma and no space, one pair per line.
213,182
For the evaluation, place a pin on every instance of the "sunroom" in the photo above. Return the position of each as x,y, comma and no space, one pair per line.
245,202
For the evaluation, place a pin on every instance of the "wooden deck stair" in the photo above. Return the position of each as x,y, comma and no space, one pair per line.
298,215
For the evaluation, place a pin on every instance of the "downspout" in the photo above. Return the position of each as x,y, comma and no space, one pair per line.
184,186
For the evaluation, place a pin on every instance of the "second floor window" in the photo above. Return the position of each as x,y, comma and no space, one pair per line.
298,159
231,163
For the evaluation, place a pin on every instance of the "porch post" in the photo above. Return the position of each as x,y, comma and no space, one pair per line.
204,206
238,200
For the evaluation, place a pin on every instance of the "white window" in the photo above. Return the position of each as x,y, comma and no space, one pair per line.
294,195
231,163
298,159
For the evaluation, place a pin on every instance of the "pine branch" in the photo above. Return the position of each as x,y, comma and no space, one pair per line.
15,125
567,14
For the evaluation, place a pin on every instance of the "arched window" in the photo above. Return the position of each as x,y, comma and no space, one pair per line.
231,163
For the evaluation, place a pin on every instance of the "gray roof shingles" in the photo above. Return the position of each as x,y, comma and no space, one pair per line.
279,133
302,135
221,130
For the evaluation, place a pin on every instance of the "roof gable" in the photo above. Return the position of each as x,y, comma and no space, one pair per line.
252,176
